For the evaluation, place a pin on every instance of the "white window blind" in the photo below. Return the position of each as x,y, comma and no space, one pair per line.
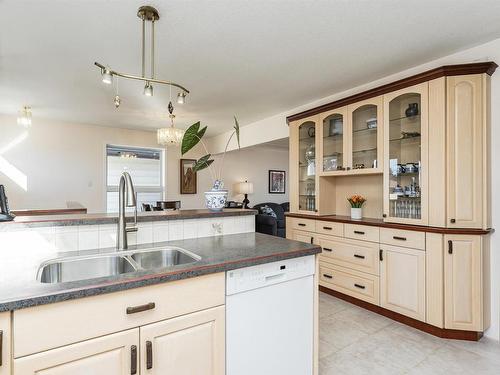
146,169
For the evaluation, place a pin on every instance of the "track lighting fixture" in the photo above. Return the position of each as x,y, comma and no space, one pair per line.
151,15
24,117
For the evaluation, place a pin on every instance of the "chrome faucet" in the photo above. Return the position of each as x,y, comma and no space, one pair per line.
130,200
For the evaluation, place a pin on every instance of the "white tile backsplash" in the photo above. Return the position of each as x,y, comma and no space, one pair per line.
47,240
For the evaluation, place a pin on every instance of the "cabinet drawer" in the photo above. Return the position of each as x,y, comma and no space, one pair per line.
356,284
358,255
67,322
302,224
404,238
361,232
329,227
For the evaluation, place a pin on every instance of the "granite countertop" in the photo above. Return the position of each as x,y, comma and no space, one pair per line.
90,219
19,288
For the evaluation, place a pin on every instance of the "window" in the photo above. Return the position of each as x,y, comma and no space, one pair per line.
146,167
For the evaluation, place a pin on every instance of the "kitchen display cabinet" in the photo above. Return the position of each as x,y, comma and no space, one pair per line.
406,170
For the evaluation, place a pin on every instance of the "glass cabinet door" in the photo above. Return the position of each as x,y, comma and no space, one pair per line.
334,155
404,175
364,137
307,166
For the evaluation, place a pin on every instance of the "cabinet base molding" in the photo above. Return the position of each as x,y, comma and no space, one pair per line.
422,326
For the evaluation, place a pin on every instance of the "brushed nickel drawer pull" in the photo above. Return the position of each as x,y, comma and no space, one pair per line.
359,286
327,228
359,256
359,232
328,276
141,308
149,355
399,238
301,224
133,360
327,249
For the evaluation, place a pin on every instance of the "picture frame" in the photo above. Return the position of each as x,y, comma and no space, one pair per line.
277,181
188,180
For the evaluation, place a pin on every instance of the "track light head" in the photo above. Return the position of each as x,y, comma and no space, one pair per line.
107,76
181,97
148,89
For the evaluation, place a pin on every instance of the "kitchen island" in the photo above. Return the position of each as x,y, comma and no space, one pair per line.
152,319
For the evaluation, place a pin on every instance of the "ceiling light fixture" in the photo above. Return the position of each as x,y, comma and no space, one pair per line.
24,117
170,135
149,14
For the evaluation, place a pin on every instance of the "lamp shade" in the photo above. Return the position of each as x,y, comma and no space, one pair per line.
244,187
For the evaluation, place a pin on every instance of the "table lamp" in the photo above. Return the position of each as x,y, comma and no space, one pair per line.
245,188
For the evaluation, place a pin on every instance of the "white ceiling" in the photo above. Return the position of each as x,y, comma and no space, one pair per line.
249,58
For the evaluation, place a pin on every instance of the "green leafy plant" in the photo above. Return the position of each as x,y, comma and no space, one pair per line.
194,135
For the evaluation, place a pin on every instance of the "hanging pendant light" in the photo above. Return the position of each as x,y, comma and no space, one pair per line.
171,135
24,117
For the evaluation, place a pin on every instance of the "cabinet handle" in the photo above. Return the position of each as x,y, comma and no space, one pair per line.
359,232
399,238
348,168
1,347
381,255
359,256
327,228
384,215
450,247
149,355
301,224
327,276
137,309
359,286
327,249
133,360
453,221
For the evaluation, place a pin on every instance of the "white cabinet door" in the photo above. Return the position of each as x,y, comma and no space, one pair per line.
402,281
5,343
463,288
192,344
108,355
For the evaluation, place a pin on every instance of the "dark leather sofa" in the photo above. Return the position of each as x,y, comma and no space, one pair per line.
269,225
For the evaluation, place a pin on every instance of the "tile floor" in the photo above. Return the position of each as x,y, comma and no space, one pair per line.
357,341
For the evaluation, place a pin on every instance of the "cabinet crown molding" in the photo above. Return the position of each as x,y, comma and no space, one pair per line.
443,71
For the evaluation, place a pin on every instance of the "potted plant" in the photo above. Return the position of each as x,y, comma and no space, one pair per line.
215,199
356,202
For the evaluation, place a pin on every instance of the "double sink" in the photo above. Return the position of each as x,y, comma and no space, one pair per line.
86,267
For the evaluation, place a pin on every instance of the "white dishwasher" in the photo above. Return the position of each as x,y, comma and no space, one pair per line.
270,318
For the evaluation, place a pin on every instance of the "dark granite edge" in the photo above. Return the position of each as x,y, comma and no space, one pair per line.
34,222
151,279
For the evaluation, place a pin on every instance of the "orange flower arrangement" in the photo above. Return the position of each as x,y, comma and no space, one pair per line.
356,201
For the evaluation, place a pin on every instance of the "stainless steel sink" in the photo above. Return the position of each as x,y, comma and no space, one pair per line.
83,268
78,268
161,258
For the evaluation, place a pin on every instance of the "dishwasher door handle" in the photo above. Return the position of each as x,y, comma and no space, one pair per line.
275,277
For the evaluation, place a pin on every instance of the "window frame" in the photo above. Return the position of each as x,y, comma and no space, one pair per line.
138,189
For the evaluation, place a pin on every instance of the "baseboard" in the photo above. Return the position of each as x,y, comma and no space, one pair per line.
454,334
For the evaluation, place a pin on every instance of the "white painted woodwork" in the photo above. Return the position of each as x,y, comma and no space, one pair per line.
404,238
348,281
106,355
402,281
423,91
5,368
358,255
186,345
437,156
467,175
362,232
330,228
67,322
302,224
434,276
463,283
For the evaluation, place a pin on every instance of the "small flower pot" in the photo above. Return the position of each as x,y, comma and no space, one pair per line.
356,213
215,200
